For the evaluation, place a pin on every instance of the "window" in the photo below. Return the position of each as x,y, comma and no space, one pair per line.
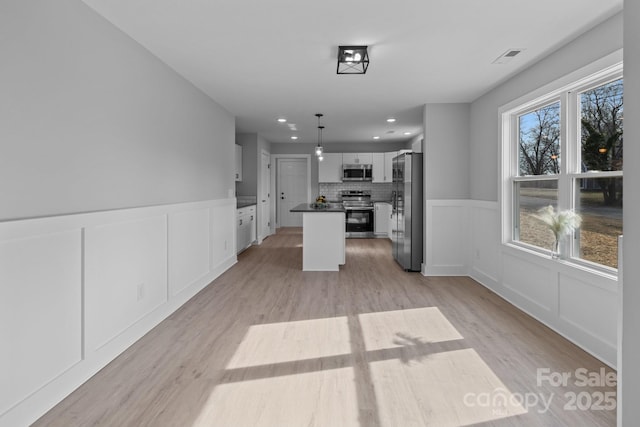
565,149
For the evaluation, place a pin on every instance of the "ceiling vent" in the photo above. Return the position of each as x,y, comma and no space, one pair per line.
507,56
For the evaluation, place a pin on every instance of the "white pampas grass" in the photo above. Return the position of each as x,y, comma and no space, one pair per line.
560,223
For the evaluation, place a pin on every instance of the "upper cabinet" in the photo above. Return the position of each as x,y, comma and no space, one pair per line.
330,168
388,165
238,162
378,167
357,158
383,166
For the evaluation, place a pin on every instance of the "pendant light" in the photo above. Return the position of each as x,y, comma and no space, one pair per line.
319,148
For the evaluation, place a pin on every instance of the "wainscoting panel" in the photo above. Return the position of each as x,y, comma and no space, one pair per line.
485,239
77,290
125,276
40,311
189,252
223,235
580,304
589,311
534,288
447,238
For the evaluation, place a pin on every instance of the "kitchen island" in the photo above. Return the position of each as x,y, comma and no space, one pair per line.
323,236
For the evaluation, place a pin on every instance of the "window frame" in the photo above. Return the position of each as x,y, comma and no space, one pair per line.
567,92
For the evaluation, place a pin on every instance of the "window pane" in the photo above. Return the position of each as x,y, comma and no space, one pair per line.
599,202
539,141
530,196
601,127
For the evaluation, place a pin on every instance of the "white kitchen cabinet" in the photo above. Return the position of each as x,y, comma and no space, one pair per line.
330,168
246,227
238,162
388,165
382,215
378,168
383,166
357,158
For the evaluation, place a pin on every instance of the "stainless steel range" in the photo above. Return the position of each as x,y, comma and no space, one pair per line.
359,213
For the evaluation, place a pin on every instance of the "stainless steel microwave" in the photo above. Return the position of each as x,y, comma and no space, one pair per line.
357,173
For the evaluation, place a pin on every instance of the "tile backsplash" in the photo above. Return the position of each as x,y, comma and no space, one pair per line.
379,191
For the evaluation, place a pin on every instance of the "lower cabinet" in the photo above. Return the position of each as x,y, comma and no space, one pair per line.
382,215
246,227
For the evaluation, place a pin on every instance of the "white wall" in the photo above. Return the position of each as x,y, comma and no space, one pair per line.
90,120
630,386
597,43
580,305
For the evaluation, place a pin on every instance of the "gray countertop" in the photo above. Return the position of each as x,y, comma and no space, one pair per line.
314,207
244,204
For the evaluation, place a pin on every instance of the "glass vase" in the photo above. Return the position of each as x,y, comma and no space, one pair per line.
555,249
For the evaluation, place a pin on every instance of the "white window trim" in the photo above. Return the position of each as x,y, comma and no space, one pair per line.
565,89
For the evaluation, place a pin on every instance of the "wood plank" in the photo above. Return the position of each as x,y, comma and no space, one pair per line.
371,345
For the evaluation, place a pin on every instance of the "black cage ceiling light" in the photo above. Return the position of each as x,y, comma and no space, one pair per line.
352,59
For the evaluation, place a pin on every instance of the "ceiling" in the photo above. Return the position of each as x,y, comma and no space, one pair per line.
262,60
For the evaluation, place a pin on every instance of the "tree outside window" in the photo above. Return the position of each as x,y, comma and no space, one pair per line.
586,178
599,199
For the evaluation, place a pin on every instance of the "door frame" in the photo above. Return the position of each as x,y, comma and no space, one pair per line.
275,158
259,197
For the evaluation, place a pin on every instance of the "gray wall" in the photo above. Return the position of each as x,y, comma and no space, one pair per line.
631,253
446,151
595,44
415,144
90,120
249,184
262,144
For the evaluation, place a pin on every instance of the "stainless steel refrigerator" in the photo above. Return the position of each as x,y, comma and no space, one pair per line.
406,217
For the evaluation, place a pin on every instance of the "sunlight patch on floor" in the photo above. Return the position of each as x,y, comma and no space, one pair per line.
402,328
294,373
292,341
423,393
323,398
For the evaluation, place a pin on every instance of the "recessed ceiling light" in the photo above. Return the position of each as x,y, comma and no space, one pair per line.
407,133
391,120
282,120
376,137
294,137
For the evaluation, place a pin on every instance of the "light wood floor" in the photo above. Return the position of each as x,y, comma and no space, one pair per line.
269,345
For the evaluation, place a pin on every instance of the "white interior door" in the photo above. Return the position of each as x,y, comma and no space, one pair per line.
291,190
264,202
